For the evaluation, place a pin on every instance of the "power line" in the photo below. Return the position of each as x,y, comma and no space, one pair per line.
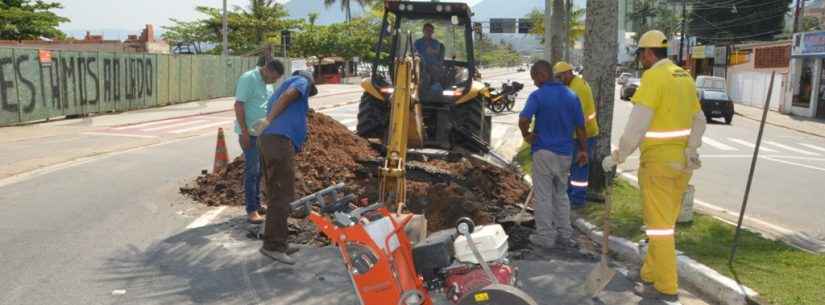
738,37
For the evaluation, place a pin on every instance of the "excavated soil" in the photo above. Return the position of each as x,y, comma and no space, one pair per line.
443,190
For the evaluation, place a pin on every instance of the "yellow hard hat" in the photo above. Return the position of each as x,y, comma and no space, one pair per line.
562,67
653,39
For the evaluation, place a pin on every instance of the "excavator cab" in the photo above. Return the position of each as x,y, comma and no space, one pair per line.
452,108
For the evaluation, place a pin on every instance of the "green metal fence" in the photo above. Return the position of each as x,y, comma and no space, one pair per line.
75,83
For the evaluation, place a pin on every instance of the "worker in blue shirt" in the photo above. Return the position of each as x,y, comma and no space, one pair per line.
558,114
282,134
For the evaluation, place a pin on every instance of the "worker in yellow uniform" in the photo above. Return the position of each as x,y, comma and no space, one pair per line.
579,174
667,122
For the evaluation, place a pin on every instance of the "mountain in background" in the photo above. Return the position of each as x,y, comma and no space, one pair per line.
487,9
300,9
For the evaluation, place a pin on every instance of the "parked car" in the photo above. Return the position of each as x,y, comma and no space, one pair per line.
623,78
713,83
629,88
716,104
713,95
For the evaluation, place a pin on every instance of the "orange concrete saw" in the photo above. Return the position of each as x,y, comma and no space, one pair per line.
468,264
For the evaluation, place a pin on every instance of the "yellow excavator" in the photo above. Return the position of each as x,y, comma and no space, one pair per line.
449,106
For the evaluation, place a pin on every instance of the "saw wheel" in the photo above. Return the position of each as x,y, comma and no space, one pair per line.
497,294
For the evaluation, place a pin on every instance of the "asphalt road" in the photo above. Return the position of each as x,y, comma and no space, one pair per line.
90,213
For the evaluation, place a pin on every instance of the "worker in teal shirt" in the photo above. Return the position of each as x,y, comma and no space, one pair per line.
283,132
558,114
251,95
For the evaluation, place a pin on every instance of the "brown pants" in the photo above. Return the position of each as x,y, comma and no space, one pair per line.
278,169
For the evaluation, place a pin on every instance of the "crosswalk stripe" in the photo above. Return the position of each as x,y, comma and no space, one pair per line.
796,150
348,122
199,127
750,145
814,147
174,125
718,145
148,124
112,134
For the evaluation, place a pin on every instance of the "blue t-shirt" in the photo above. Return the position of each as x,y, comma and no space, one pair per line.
292,122
430,50
557,113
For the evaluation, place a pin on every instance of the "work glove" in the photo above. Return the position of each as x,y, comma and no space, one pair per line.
692,159
258,127
609,164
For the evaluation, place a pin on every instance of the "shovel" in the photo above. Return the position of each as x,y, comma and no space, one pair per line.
521,216
599,277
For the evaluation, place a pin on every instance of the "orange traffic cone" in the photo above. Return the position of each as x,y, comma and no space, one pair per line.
221,156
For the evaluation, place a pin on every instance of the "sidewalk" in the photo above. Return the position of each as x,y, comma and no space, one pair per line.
810,126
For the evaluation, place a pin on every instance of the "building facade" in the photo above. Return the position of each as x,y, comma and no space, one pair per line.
144,43
806,95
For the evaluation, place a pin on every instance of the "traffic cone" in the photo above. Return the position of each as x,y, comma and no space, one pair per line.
221,156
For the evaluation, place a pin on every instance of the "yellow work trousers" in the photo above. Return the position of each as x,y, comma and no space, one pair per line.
662,186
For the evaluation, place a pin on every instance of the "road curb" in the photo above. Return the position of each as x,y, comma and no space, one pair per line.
709,282
779,125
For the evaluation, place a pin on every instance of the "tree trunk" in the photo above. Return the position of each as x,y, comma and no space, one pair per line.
556,31
548,9
565,39
600,54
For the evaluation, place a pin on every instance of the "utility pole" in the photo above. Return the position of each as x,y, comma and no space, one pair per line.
684,34
548,12
225,31
799,11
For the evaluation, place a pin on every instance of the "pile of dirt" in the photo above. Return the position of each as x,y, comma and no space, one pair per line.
443,190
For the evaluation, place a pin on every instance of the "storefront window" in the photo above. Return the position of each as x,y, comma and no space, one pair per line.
820,111
802,96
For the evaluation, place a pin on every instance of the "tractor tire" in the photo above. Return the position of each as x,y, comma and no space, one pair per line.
373,118
470,125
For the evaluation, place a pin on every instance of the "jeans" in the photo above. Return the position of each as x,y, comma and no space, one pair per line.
552,213
579,177
252,176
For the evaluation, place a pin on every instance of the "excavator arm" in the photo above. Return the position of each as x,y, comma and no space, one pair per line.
405,131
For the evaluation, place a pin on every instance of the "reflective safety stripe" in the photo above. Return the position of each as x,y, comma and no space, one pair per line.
659,232
591,117
667,134
579,183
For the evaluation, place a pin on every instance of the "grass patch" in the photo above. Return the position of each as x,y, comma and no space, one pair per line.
781,274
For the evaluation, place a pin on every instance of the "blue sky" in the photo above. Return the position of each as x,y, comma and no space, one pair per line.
133,15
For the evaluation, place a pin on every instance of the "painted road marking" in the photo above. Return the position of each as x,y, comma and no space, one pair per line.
348,122
750,145
201,127
112,134
174,125
794,163
206,218
149,124
718,145
814,147
796,150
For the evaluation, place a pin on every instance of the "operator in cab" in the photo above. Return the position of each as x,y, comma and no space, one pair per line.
432,53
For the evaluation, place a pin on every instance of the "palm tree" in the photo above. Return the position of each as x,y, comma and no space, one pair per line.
346,6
